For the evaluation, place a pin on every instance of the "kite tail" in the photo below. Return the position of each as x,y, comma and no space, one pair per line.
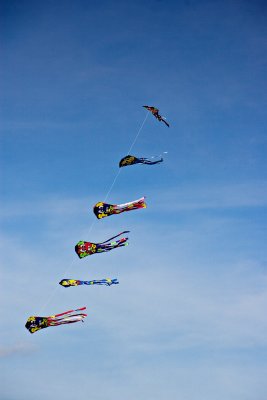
69,312
120,244
119,234
93,282
113,245
67,317
132,205
67,320
148,162
109,282
106,282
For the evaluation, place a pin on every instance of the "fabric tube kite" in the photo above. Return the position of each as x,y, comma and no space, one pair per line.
131,160
84,249
102,210
74,282
34,324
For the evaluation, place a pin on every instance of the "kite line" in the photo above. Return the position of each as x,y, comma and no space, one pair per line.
93,223
132,145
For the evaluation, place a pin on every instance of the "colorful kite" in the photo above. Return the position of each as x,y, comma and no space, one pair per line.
130,160
84,249
75,282
155,112
103,210
34,324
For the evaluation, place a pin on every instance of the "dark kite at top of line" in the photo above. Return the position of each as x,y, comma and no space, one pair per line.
155,112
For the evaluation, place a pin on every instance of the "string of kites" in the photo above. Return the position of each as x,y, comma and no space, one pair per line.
84,249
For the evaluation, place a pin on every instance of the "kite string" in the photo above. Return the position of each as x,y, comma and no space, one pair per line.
112,185
67,270
132,145
138,133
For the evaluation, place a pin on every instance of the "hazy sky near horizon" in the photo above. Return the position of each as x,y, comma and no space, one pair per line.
188,319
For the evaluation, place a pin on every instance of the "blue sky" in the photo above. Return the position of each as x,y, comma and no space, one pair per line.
188,320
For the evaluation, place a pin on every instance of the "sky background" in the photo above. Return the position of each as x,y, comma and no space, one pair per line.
188,319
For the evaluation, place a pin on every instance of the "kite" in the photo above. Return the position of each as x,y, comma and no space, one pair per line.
155,112
75,282
102,210
130,160
84,249
34,324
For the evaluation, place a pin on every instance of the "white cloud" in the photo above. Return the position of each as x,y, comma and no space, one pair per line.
17,348
196,197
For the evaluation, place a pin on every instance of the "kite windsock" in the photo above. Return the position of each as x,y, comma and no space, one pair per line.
34,323
155,112
84,249
102,210
74,282
131,160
